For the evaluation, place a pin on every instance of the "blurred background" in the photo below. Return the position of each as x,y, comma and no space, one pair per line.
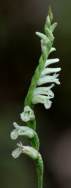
19,54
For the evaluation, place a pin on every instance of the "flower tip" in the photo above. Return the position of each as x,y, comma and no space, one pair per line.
13,155
14,135
57,59
15,124
37,33
50,13
16,153
23,117
48,104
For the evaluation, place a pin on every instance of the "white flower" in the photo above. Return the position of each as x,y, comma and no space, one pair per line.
27,114
21,131
48,79
28,150
43,94
44,91
43,100
51,61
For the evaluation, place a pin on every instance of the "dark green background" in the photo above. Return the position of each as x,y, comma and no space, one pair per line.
19,54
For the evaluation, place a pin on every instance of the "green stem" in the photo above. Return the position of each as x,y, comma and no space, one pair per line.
39,179
31,124
39,171
35,141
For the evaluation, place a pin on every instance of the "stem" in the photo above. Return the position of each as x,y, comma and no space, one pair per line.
39,179
32,124
39,171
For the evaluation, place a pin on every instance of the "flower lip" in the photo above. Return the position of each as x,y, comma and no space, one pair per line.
16,153
28,150
21,131
48,104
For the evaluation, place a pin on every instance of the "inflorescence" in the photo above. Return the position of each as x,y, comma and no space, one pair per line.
40,91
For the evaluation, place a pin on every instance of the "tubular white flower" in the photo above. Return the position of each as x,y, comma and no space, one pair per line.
51,61
28,150
44,91
43,100
27,114
49,79
21,131
50,70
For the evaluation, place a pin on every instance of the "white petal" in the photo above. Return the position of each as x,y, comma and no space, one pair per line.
14,134
44,91
49,79
50,70
48,104
21,131
39,98
51,61
16,153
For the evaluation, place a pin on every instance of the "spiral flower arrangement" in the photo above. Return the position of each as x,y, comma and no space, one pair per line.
40,91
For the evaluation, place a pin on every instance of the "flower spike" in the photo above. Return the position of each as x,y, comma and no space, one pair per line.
40,91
